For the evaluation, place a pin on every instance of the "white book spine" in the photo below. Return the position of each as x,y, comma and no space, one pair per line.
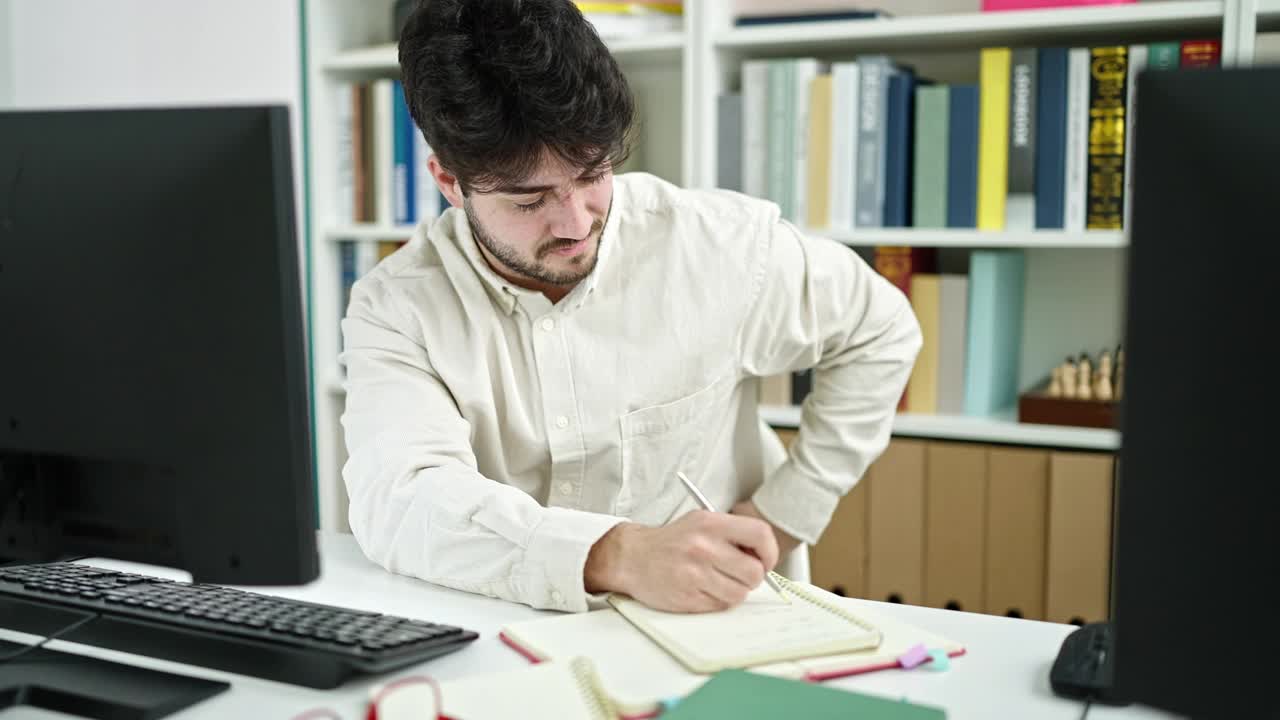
1137,63
1077,139
384,151
755,128
344,206
366,257
803,71
844,156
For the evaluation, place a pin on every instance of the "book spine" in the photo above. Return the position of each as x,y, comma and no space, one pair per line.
781,160
1108,75
844,131
929,174
344,209
1201,53
383,152
347,266
1077,139
360,153
993,147
873,72
755,128
426,204
403,156
803,72
818,212
897,150
962,157
1163,56
1020,211
1051,138
729,141
1137,63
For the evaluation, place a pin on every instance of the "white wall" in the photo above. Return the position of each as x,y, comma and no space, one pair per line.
6,56
131,53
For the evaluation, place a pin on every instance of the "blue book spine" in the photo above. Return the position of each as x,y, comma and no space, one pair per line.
994,345
406,213
962,157
347,258
899,136
1051,138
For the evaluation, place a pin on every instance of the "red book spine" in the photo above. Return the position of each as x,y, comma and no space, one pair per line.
897,265
1201,53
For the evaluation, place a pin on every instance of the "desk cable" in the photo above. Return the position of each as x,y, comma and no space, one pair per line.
36,646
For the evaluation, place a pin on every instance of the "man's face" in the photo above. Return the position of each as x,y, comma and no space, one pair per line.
546,229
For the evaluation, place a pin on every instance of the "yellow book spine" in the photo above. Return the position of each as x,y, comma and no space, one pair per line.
922,388
993,137
819,178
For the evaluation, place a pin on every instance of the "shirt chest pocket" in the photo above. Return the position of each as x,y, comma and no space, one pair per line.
660,440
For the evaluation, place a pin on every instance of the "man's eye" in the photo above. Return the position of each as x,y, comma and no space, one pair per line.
532,206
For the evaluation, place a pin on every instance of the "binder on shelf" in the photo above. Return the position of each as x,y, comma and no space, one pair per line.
1017,505
896,523
955,525
1078,582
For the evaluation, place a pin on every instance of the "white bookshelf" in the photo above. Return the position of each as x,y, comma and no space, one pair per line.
1072,295
949,238
1002,428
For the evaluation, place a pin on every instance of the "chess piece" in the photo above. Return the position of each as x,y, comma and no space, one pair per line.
1069,373
1102,378
1119,383
1084,379
1055,382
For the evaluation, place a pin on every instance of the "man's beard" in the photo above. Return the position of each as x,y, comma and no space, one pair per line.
534,269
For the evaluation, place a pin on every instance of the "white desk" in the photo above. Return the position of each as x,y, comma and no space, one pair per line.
1005,673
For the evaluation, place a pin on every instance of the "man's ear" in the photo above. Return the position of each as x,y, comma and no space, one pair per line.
446,181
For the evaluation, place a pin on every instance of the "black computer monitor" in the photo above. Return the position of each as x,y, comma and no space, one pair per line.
1196,527
153,376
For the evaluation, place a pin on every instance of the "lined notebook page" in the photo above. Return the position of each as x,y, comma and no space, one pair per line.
549,690
763,629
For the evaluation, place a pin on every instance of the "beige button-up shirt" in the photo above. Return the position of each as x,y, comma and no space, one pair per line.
494,437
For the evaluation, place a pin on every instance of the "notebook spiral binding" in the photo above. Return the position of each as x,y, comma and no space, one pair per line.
796,589
592,692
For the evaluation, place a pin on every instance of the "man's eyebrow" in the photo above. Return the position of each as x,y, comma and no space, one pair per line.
537,189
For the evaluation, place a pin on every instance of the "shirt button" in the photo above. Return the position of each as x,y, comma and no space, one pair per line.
562,422
556,597
566,488
548,324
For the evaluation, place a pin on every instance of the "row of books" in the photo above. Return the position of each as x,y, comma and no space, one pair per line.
972,327
1043,140
355,259
382,174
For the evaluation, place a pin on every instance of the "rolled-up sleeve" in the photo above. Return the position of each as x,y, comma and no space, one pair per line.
419,506
817,304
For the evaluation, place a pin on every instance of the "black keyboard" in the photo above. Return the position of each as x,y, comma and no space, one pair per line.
291,641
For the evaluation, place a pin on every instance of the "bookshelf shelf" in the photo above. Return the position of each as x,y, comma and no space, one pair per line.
1268,16
384,58
364,231
944,238
1022,27
1000,429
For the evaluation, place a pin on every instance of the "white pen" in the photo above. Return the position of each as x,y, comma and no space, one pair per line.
706,505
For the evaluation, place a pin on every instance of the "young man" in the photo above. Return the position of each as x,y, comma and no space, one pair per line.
528,374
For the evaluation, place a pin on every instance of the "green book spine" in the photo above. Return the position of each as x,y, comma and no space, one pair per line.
1163,56
929,189
780,135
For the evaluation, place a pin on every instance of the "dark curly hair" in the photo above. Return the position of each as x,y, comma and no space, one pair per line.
493,84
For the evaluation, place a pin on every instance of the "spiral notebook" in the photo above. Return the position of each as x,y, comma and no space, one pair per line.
762,630
563,690
639,673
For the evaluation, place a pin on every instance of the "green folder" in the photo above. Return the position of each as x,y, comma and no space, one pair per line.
741,695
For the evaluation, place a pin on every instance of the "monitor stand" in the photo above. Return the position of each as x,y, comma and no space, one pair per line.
93,688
